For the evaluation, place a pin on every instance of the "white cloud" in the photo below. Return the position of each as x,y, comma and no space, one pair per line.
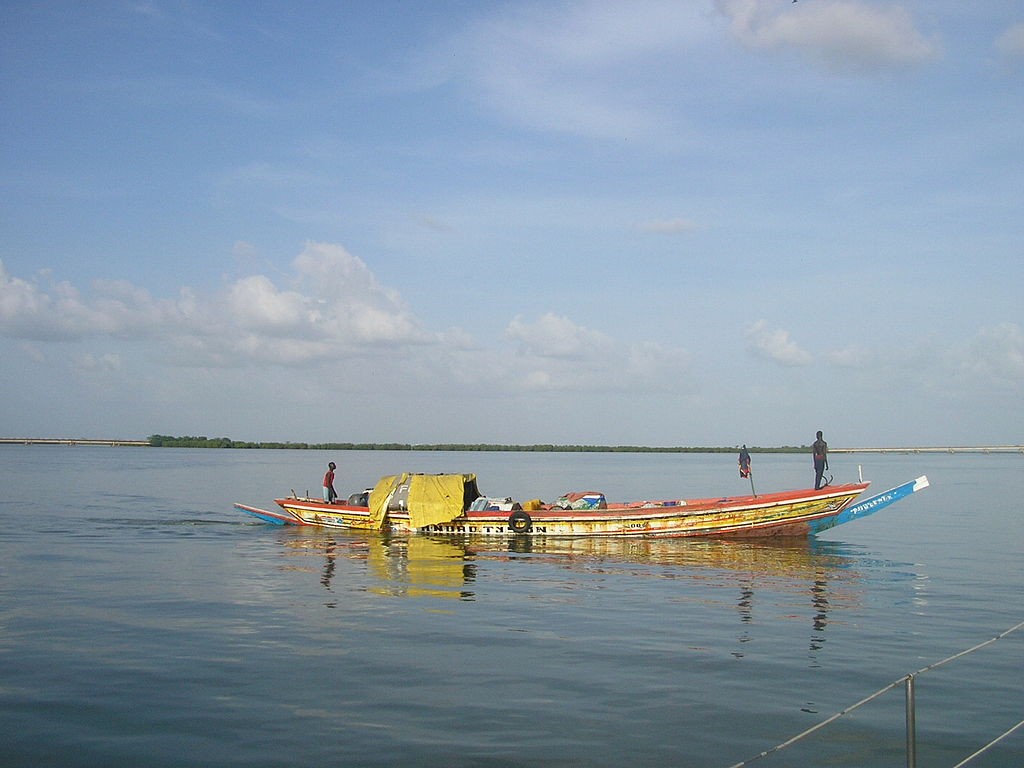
118,307
336,305
1011,42
22,305
983,368
556,336
335,309
32,311
775,344
648,360
332,311
538,381
843,35
555,353
256,303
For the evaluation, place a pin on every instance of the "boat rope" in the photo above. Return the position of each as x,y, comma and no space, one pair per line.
987,746
886,689
956,656
820,725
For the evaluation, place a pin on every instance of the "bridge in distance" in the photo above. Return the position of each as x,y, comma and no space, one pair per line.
67,441
935,449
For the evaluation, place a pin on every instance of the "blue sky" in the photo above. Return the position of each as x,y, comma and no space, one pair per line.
651,223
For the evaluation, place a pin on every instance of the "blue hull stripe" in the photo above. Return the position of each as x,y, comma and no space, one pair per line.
870,506
264,515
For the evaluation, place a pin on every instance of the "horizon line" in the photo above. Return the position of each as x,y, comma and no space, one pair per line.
509,447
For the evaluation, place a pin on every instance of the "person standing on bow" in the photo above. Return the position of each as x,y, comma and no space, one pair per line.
329,493
744,462
820,451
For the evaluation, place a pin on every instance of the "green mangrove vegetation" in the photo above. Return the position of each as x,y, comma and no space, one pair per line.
189,441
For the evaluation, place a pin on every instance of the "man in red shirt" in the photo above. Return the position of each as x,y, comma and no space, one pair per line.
329,493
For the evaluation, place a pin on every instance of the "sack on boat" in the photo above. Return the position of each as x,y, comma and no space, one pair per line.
582,500
399,500
360,499
488,503
532,505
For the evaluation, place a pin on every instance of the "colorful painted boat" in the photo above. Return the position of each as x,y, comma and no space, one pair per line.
452,505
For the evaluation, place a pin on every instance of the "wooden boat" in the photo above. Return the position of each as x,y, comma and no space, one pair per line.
451,505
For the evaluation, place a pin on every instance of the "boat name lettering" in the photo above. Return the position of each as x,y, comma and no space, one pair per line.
442,528
882,499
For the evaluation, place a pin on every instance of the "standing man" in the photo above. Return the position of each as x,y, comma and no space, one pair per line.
744,462
820,451
329,493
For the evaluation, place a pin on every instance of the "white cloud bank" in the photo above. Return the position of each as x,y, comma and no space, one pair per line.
331,309
329,335
335,303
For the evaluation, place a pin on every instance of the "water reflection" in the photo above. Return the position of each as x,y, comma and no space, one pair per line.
805,574
404,566
419,566
810,579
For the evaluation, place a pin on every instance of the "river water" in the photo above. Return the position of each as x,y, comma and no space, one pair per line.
145,622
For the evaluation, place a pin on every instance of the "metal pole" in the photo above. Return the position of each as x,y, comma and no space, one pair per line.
911,725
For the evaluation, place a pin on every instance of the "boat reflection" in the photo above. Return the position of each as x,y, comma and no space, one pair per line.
404,566
419,566
807,577
796,571
776,557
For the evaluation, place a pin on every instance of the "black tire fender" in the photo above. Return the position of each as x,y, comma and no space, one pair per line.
520,522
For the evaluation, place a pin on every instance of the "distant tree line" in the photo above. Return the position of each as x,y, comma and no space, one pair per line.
188,441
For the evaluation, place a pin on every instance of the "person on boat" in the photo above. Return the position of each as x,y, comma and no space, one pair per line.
329,493
820,451
744,462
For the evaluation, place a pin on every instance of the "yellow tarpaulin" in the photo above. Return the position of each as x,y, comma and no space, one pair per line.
429,499
381,495
435,499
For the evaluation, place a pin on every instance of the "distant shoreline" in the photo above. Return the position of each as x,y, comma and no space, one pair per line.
165,441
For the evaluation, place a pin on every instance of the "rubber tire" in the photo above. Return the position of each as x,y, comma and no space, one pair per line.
520,522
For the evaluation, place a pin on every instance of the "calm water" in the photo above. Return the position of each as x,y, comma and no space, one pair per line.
144,622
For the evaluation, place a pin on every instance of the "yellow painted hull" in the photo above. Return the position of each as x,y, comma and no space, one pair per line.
787,513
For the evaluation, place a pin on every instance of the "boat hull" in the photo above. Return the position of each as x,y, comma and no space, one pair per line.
787,513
